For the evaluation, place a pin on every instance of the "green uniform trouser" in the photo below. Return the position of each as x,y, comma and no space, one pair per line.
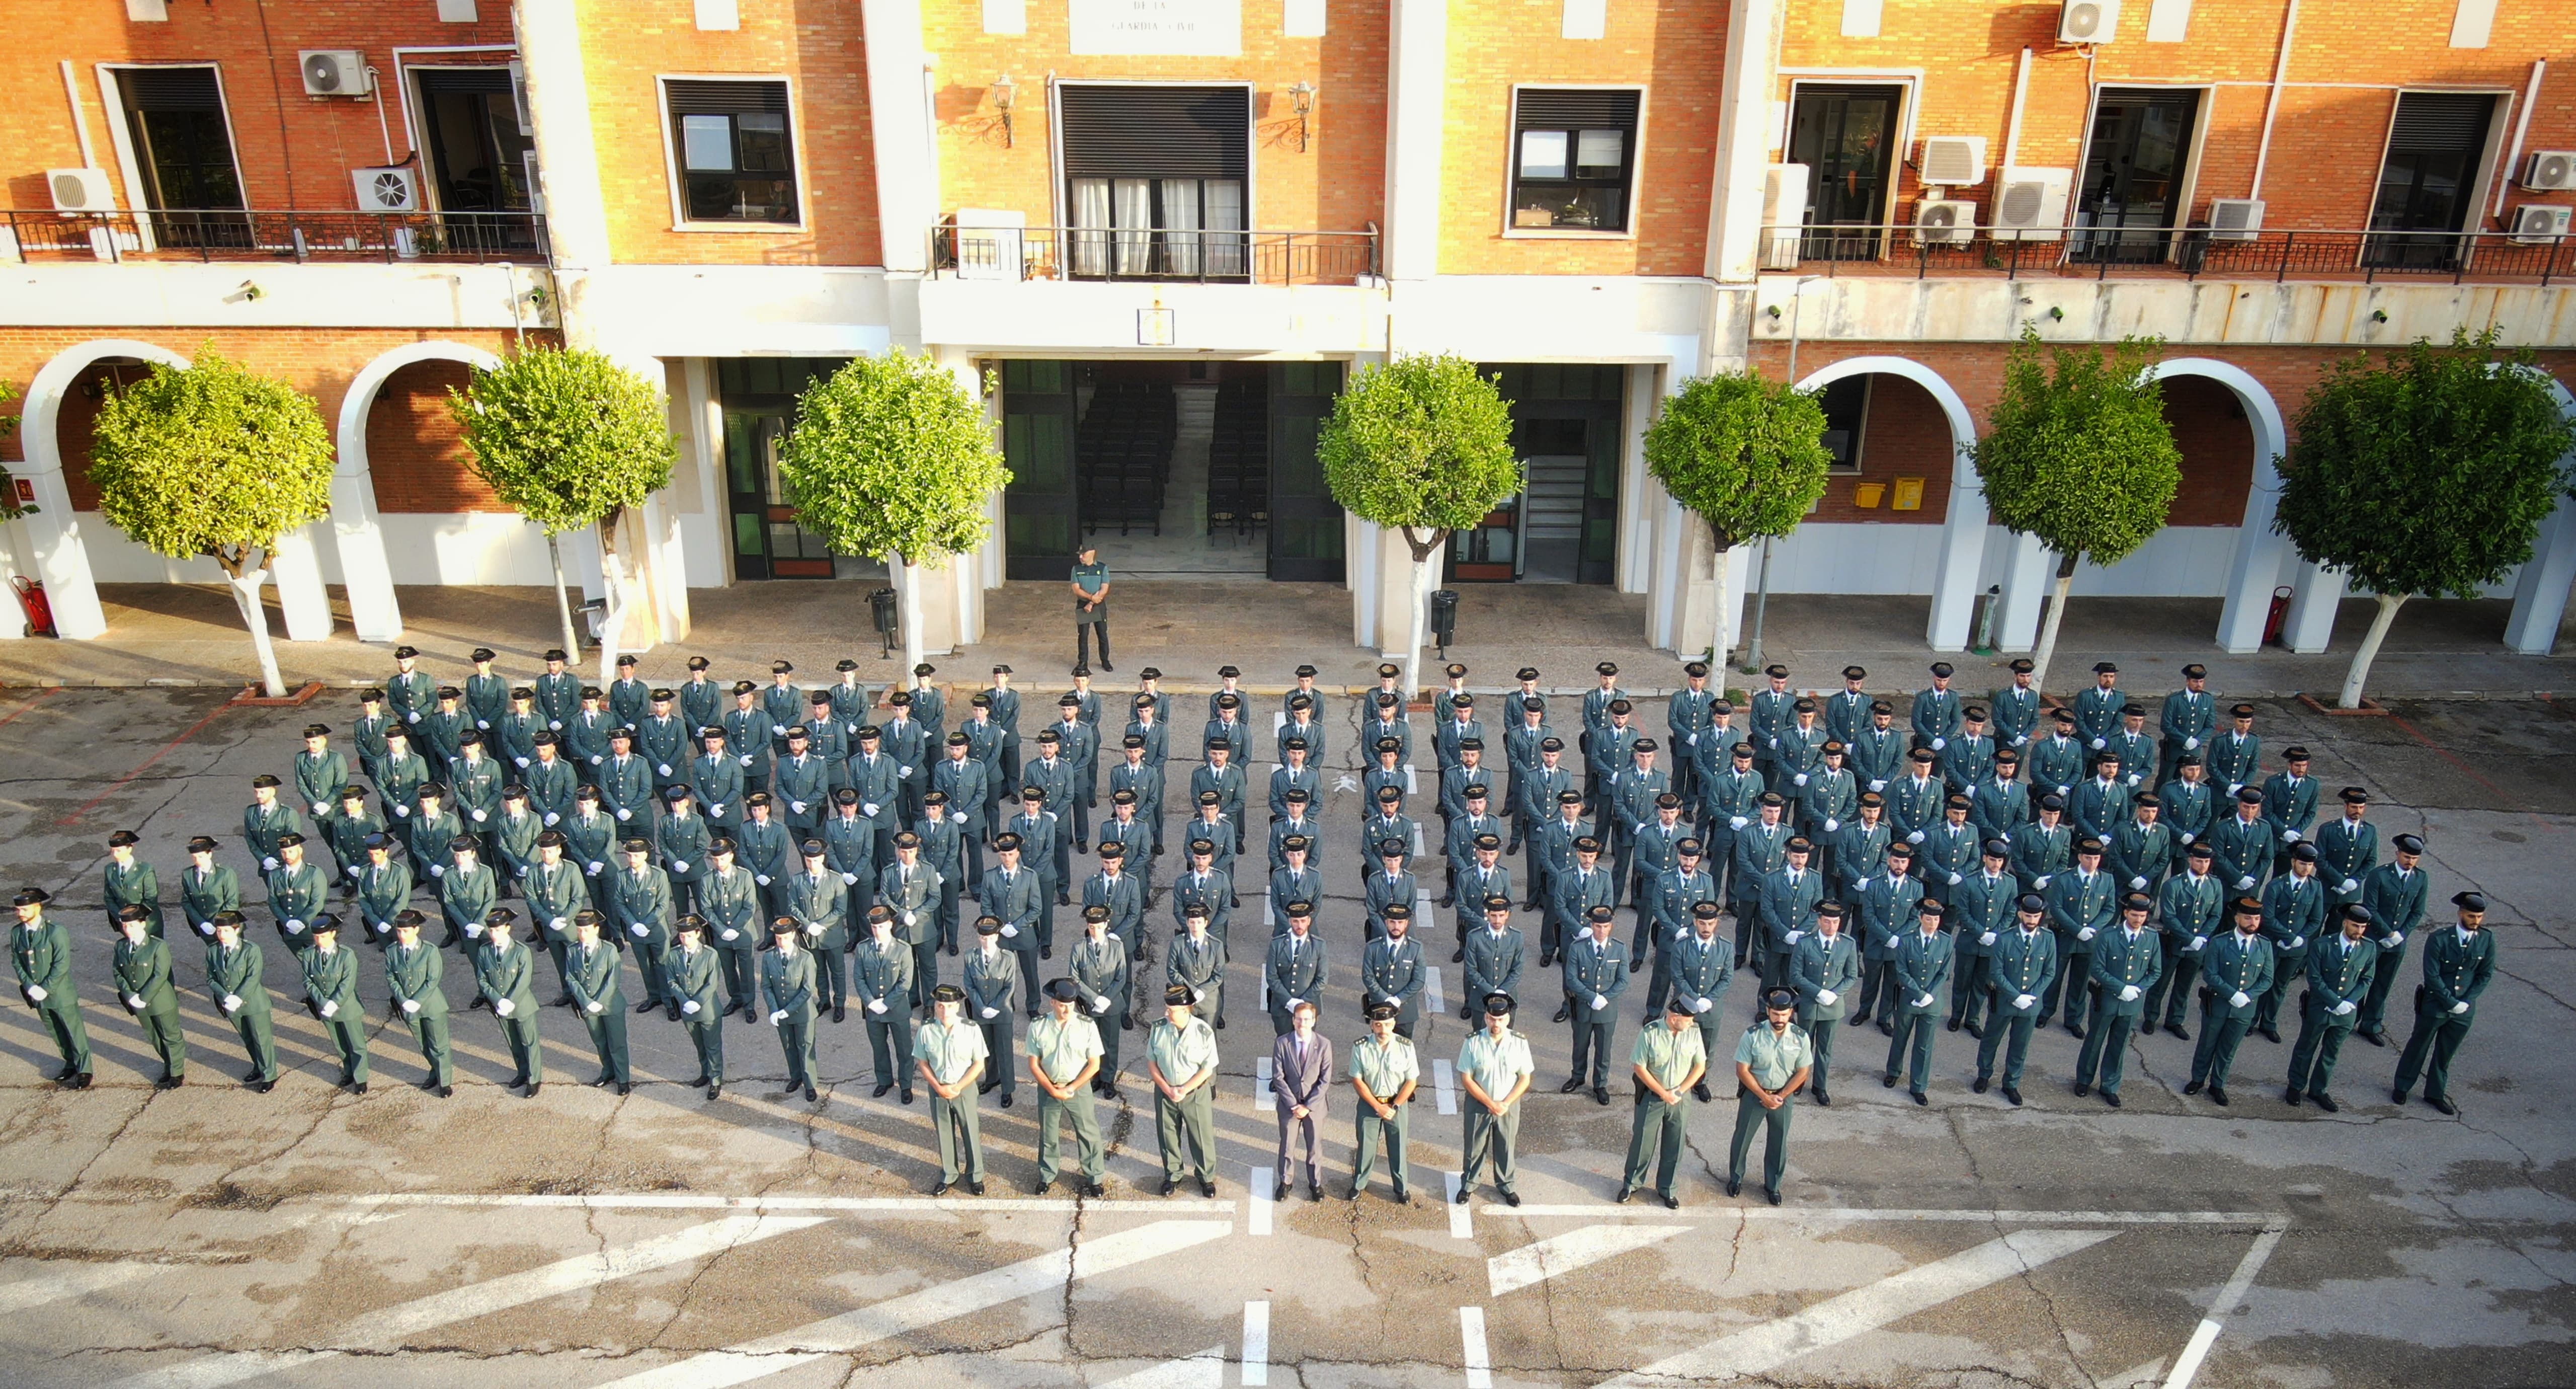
2321,1039
561,953
1188,1133
63,1018
2372,1020
1052,1113
2214,1054
2106,1043
1911,1053
348,1034
1496,1134
526,1050
1111,1025
2166,997
1656,1137
2286,966
648,959
161,1029
740,970
431,1032
706,1033
1820,1033
961,1136
2436,1038
2018,1026
259,1039
1395,1133
890,1044
1967,990
608,1038
1750,1115
797,1040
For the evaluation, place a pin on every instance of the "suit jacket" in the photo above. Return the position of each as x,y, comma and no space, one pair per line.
639,900
2118,965
819,905
693,979
1302,1075
2336,975
912,892
237,972
1595,969
787,983
2395,901
1701,971
1789,906
2457,971
990,983
1494,962
1392,971
2232,964
1923,964
2016,966
1017,901
1294,969
592,976
2242,852
1818,966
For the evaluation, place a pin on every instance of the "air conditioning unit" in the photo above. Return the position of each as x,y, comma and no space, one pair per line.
2088,21
2536,225
2030,205
395,189
2235,219
519,97
335,72
80,190
1944,222
1784,209
2550,171
1958,161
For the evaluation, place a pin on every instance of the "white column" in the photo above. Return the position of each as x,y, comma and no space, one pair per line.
1418,60
1963,555
2027,578
1743,142
1360,575
55,546
298,572
2315,594
705,528
1641,498
357,530
901,148
2540,594
567,155
2255,568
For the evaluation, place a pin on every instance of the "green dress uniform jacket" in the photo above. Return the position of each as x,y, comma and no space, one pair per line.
2097,715
368,736
639,906
2120,964
474,785
626,790
1060,778
1860,853
133,885
235,973
2097,807
2234,760
2456,972
398,781
294,896
1294,970
1914,806
801,787
2040,853
2186,723
410,694
681,842
1797,752
1820,965
347,835
263,826
663,741
1199,966
1017,898
2241,852
1946,857
558,697
202,893
1886,904
599,995
1937,717
2346,853
2291,807
1495,962
1138,837
787,986
2340,980
2021,964
585,740
1876,756
2137,753
716,781
1577,893
1124,896
695,977
1789,902
1923,965
2080,908
508,973
515,734
1832,798
413,975
1213,890
699,702
383,893
429,841
143,984
2233,963
628,698
1594,970
2056,764
1391,971
850,703
1997,807
553,789
554,895
331,979
2189,809
748,734
1384,891
318,782
466,897
2139,855
989,981
2395,899
1968,760
762,847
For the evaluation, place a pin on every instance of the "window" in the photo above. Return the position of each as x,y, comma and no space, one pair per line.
1846,136
2133,168
736,156
1846,406
2429,183
1573,152
183,155
1155,180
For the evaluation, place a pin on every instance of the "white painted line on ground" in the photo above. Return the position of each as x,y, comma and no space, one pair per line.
1263,1097
1791,1214
1417,841
1532,1264
56,1282
2225,1304
1432,993
1471,1336
837,1205
1444,1084
1205,1370
385,1330
1273,922
1758,1350
774,1354
1256,1343
1461,1224
1411,787
1265,1197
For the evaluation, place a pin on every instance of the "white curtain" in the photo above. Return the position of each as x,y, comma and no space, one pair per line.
1180,226
1134,218
1090,209
1225,254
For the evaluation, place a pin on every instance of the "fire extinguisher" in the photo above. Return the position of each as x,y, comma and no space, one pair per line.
40,612
2278,617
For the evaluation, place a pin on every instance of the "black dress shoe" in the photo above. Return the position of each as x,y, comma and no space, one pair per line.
1314,1191
1734,1186
1563,1012
1920,1098
1511,1198
975,1188
1624,1193
1823,1097
952,952
787,1094
1207,1186
2082,1090
168,1083
1952,1025
906,1097
2012,1096
883,1088
2271,1034
2397,1097
1773,1193
1572,1084
939,1188
2111,1099
1700,1093
2073,1031
1600,1094
1458,956
1220,1024
359,1089
2177,1033
1037,1188
1464,1194
1977,1030
2376,1039
1887,1081
1006,1099
601,1082
648,1005
533,1089
2440,1102
2291,1097
446,1091
624,1087
1094,1190
2326,1102
704,1080
1045,952
2146,1029
1170,1185
715,1092
1979,1086
809,1093
1672,1203
2218,1094
840,1012
262,1087
1466,1011
2193,1088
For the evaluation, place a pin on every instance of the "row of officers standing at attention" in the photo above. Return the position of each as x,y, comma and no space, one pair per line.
848,864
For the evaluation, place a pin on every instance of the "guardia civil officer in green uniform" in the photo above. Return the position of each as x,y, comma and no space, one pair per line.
2018,971
2235,971
233,981
1090,584
2459,963
787,976
1825,968
1064,1059
1924,959
1669,1060
881,979
331,992
2394,892
143,982
991,973
1384,1073
1180,1058
505,974
413,970
1772,1063
2339,979
599,994
950,1052
1495,1069
130,882
2126,962
692,986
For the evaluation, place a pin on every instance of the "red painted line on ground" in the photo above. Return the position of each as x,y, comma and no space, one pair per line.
92,802
2417,734
41,696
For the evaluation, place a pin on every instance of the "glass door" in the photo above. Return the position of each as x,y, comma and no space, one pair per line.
759,398
2426,188
1846,138
2133,169
1305,521
479,163
1039,510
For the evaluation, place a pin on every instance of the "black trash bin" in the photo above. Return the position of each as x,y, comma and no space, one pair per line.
1444,618
882,611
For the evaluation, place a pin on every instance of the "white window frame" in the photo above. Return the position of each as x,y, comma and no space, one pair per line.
2186,184
671,155
1636,162
1909,103
1061,212
2490,162
120,135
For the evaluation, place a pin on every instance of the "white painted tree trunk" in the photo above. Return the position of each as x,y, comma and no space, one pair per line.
908,612
246,587
2048,630
1717,643
613,590
2380,622
563,599
1426,577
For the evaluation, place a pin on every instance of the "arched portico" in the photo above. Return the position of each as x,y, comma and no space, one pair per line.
55,542
356,525
1963,528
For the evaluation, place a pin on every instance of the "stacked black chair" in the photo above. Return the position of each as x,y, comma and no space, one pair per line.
1239,458
1125,446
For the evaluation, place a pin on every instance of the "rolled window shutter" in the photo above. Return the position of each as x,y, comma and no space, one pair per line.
1156,132
700,98
1576,109
170,89
2441,121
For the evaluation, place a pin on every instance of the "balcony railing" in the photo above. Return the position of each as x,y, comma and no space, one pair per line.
28,236
2191,253
1191,257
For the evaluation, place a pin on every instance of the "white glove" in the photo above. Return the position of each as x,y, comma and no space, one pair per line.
1985,938
2235,786
2138,882
989,1013
438,870
1879,785
271,864
868,809
1775,742
2191,745
2351,885
664,769
1736,822
1914,838
716,808
232,1002
1100,1003
679,865
903,771
2460,1007
2289,836
330,1008
412,717
596,1007
639,929
2239,999
1702,1006
1599,1003
2097,743
764,882
504,1008
730,934
321,809
1800,778
2246,883
474,930
36,992
2343,1009
2021,740
1940,743
558,924
625,814
1827,997
908,917
205,928
778,1017
746,760
597,758
134,1001
1796,936
2085,934
850,879
2396,939
2130,993
293,926
2198,941
2187,836
688,1007
2024,1000
410,1006
523,762
1923,1000
480,817
795,807
553,818
1009,930
596,867
2297,941
1954,880
1832,825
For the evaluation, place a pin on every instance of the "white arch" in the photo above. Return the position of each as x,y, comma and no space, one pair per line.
2540,595
2255,568
356,525
1963,528
53,531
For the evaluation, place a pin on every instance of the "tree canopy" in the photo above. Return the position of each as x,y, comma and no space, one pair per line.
1744,453
1420,444
211,459
2077,450
893,458
565,437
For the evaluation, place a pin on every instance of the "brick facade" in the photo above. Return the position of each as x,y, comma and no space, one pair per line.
415,453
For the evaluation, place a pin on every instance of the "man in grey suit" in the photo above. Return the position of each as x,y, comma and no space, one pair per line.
1301,1075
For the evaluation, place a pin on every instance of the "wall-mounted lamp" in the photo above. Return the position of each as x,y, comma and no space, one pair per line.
1302,97
1005,92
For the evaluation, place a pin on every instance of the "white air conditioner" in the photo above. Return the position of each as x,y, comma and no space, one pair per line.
394,189
2030,204
2235,219
2088,21
1958,161
80,190
519,97
1944,222
1784,209
991,244
2550,171
2537,225
335,72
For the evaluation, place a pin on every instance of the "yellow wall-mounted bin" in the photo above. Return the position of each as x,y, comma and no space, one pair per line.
1869,494
1909,495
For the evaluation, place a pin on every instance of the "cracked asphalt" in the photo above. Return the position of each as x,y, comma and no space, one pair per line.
212,1236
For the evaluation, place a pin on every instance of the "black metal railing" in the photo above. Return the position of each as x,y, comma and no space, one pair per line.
2189,253
1195,257
212,235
